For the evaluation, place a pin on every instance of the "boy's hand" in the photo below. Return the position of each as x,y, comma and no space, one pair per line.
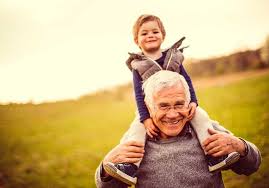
193,107
150,128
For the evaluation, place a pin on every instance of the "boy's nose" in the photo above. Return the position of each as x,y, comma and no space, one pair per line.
150,34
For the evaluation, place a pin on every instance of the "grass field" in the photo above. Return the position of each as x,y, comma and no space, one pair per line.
59,145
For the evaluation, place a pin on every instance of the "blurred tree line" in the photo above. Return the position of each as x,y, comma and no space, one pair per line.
240,61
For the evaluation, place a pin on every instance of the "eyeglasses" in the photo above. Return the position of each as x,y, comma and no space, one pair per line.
177,107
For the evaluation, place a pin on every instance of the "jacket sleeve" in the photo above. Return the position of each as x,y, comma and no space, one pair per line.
108,182
139,97
188,79
250,163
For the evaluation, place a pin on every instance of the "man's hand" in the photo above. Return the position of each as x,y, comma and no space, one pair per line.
151,129
129,152
192,107
219,144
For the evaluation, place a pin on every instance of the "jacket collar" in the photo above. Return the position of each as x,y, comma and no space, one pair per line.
141,56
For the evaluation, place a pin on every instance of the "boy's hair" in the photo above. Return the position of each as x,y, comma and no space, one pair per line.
145,18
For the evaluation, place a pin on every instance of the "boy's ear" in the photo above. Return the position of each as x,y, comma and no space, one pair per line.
136,41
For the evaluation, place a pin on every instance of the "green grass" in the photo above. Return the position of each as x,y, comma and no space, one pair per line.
60,144
243,108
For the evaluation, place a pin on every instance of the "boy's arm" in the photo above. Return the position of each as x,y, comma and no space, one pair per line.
139,97
188,79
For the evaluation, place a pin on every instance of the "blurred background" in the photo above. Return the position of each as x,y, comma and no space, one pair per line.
66,94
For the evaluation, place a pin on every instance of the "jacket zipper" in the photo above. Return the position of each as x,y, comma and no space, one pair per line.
158,63
169,61
154,62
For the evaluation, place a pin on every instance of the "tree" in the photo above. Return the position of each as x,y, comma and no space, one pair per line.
265,52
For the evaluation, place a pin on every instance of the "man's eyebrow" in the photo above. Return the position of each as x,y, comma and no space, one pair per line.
163,104
180,102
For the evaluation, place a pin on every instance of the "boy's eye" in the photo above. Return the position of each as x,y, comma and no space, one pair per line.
156,32
143,34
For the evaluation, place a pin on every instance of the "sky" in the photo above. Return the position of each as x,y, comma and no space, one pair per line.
61,49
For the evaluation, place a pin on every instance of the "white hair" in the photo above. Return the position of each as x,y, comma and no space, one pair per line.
160,80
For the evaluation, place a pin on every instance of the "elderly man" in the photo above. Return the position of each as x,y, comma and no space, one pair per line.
175,158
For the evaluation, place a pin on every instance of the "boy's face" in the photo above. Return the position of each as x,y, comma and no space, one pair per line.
150,37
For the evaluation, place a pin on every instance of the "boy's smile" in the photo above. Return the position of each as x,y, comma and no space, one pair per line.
150,37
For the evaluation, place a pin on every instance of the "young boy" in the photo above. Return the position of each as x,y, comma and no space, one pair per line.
149,34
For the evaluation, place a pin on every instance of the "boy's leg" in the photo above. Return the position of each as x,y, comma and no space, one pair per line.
136,132
220,128
201,123
126,172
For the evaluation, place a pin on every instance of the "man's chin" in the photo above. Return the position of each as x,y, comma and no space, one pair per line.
174,129
173,133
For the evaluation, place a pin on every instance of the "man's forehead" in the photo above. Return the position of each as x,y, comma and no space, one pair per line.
173,92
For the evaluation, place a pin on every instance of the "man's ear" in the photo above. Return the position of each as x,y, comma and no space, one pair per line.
149,109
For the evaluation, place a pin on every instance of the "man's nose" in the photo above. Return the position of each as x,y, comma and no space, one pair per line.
172,113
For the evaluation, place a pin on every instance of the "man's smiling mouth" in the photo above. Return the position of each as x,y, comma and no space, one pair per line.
172,123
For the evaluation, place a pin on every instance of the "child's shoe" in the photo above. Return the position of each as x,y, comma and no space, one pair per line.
124,172
220,163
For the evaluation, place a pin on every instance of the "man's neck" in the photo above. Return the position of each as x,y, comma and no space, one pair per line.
185,129
153,55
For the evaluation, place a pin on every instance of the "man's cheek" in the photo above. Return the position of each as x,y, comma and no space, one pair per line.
158,116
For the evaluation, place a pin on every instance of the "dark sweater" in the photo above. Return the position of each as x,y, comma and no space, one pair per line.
139,94
180,162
